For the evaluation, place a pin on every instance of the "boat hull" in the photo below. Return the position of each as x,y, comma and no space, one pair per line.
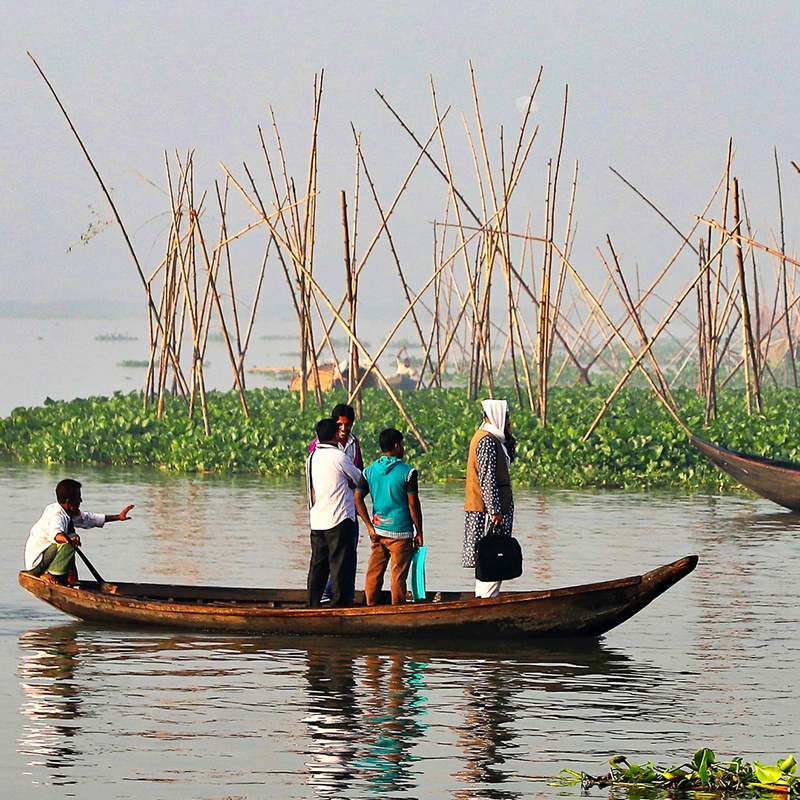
778,481
588,610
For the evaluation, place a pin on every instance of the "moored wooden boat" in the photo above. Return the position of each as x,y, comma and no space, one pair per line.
778,481
588,610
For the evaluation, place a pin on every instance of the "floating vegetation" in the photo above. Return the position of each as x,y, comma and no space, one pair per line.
274,372
343,341
115,337
135,363
640,445
702,776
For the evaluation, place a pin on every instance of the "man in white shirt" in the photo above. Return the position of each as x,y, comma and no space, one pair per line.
50,548
330,478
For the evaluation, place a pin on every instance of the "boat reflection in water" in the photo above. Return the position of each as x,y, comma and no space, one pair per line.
393,710
53,700
222,714
333,722
380,716
487,733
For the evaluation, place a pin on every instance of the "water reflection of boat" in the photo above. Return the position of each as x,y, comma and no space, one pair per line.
350,718
394,708
775,480
333,722
487,733
361,729
47,669
588,610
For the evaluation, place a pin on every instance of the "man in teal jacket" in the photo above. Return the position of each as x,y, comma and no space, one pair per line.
395,527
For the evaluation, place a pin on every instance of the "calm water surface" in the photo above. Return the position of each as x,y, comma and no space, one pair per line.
94,712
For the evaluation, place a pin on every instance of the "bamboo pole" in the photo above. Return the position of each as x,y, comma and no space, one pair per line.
634,366
627,300
783,277
353,259
117,217
351,299
398,323
226,338
222,203
381,378
392,249
455,197
643,352
752,383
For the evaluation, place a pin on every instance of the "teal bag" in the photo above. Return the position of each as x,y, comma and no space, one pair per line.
417,573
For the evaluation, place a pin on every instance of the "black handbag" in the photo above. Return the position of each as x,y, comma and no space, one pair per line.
498,557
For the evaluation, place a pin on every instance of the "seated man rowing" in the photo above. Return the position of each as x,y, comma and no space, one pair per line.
50,549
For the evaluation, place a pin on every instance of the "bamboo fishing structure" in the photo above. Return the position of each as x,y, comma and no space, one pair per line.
499,302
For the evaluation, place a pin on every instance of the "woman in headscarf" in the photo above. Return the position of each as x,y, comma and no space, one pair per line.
488,496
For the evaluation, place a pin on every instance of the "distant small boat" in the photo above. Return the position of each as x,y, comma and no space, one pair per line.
588,610
778,481
333,375
405,376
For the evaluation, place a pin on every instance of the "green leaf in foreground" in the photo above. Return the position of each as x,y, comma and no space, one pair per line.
702,776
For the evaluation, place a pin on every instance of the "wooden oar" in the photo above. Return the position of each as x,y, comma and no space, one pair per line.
104,586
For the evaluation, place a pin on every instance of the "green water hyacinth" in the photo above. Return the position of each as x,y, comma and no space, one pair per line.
637,446
702,776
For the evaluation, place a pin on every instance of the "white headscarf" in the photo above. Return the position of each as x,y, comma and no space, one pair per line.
496,412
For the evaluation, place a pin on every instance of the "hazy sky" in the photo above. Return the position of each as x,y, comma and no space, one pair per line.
655,91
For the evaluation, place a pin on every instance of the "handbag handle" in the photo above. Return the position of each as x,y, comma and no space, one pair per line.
493,530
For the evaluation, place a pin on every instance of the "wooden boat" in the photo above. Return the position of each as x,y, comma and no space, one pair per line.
778,481
588,610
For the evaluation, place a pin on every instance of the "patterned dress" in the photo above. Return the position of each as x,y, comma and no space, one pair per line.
475,521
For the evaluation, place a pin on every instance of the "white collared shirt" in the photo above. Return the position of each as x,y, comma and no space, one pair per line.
55,520
330,472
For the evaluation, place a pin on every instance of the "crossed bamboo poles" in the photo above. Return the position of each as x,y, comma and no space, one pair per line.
195,282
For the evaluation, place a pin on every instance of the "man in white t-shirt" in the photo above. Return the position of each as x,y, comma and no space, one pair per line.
330,478
51,544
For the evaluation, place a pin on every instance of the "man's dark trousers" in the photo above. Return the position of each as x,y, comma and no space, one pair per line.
332,551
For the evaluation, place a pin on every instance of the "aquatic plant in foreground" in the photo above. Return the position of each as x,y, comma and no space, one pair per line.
703,774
